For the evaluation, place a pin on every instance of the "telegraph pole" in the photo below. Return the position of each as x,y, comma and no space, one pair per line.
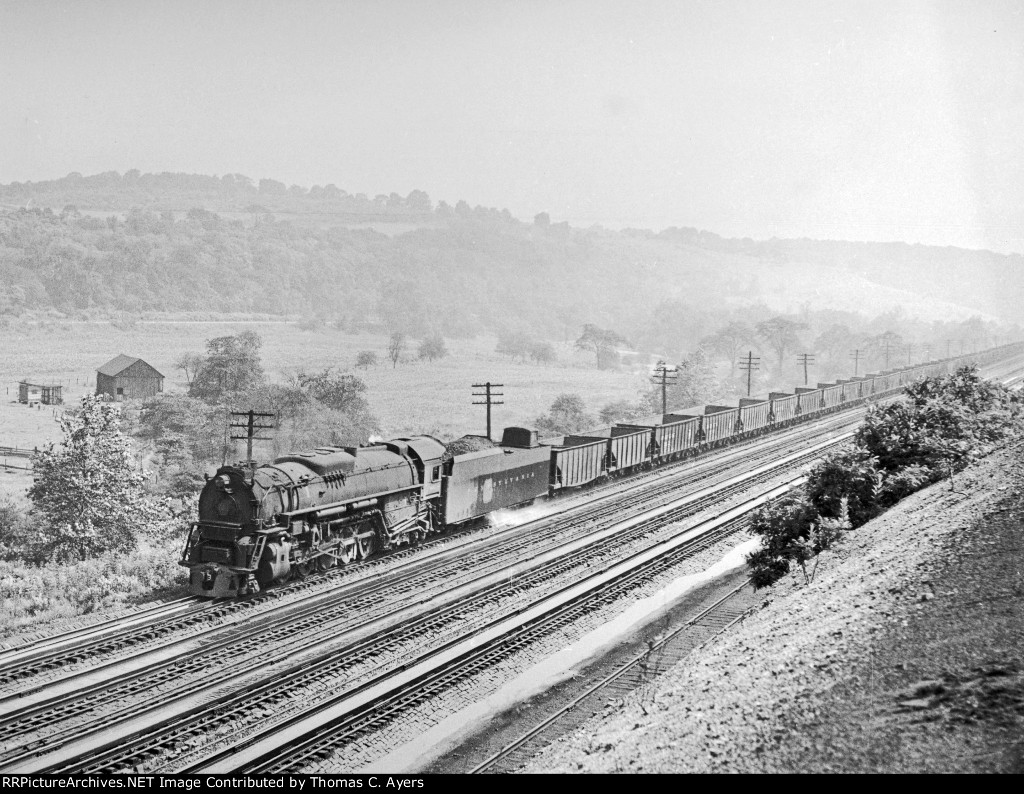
248,422
855,355
749,364
910,350
664,376
488,400
948,343
805,359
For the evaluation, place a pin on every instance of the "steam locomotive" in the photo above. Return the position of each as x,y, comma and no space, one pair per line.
313,510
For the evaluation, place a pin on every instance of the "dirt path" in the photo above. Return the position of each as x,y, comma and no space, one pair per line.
906,653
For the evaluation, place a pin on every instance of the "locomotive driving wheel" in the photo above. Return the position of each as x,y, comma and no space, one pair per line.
365,546
324,562
346,553
301,569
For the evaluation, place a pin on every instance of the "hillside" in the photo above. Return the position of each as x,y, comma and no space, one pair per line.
903,655
176,242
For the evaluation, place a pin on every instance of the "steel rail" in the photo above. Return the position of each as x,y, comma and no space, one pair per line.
487,585
276,749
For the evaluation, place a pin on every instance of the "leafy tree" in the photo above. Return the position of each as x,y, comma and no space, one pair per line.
542,353
272,187
621,411
303,421
601,342
340,391
694,384
568,414
88,489
418,201
189,364
232,365
884,348
396,346
513,344
186,437
780,335
432,347
695,380
366,359
835,342
730,342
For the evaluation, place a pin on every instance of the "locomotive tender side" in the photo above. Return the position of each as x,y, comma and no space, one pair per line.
478,483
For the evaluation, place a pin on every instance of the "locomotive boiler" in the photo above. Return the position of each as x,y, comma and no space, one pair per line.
310,511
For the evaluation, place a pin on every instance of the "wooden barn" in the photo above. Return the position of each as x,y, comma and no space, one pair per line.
39,393
127,378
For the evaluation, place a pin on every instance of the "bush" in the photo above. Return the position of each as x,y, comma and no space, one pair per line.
542,353
765,568
366,359
432,347
620,411
848,481
20,536
791,530
781,522
901,484
900,448
31,594
513,344
568,414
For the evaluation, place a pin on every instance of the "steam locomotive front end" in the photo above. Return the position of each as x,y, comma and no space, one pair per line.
310,511
228,552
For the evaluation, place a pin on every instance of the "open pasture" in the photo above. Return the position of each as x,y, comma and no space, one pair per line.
414,397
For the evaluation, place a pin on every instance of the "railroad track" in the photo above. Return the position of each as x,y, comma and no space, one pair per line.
664,476
149,630
457,604
119,636
635,674
323,734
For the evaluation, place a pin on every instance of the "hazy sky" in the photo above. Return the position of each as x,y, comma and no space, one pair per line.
858,120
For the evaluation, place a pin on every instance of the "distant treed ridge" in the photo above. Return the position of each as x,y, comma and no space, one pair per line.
190,243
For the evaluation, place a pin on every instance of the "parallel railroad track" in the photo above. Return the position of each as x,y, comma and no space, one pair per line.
151,626
664,481
635,674
316,737
488,590
118,635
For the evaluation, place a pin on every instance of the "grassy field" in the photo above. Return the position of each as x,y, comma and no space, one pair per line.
414,397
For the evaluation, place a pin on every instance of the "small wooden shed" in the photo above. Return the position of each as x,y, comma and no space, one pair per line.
39,393
128,378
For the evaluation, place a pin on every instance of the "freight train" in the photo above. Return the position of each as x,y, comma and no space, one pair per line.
313,510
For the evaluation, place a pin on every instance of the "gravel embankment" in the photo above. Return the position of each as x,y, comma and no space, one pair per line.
905,653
